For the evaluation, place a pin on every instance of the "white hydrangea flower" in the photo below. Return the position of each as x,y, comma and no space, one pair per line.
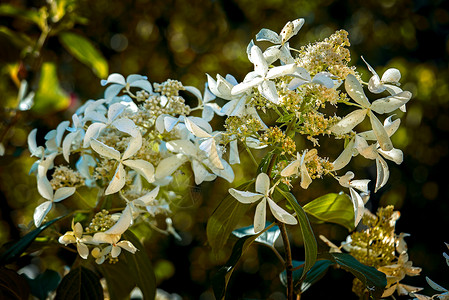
119,83
298,167
263,192
76,237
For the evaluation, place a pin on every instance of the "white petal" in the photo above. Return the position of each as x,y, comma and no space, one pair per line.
226,173
199,171
345,157
160,126
395,155
358,205
118,181
44,188
260,215
268,90
195,129
355,91
280,214
245,196
323,79
143,167
60,130
32,144
305,177
128,246
271,54
361,185
380,132
104,150
63,193
122,224
82,249
234,157
268,35
114,78
147,198
235,107
383,173
170,123
143,84
435,286
115,252
296,82
67,144
285,56
212,85
391,103
281,71
40,212
92,133
134,145
375,85
196,92
127,126
168,165
291,169
209,146
224,88
391,75
112,91
262,184
182,146
244,86
351,120
114,111
260,64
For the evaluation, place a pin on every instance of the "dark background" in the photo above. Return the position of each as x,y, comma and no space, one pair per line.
183,40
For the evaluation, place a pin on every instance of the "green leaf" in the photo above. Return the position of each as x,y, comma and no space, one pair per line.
12,285
140,267
268,237
310,244
224,219
374,280
44,283
334,208
21,245
313,275
221,278
119,287
285,118
83,50
50,97
80,284
263,166
33,16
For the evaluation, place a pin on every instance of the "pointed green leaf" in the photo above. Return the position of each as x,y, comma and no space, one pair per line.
83,50
44,283
374,280
268,237
50,97
332,207
224,219
310,244
313,275
21,245
80,284
140,267
12,285
119,287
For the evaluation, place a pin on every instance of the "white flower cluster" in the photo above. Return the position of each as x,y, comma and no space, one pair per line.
146,131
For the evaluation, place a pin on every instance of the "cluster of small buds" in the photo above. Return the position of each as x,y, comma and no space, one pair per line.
169,88
329,55
242,127
275,136
102,221
64,176
315,124
318,166
142,95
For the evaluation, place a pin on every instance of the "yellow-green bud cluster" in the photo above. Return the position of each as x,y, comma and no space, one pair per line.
102,221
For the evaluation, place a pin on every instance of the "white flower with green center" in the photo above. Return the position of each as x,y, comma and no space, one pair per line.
263,192
76,237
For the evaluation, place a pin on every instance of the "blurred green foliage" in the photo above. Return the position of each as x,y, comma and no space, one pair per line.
184,40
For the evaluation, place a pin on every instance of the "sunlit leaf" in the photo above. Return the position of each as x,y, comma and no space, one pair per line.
83,50
49,97
80,284
224,219
268,237
332,207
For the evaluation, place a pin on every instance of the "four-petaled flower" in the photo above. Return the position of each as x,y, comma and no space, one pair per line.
263,192
76,237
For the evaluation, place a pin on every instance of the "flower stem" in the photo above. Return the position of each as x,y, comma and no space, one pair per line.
288,260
